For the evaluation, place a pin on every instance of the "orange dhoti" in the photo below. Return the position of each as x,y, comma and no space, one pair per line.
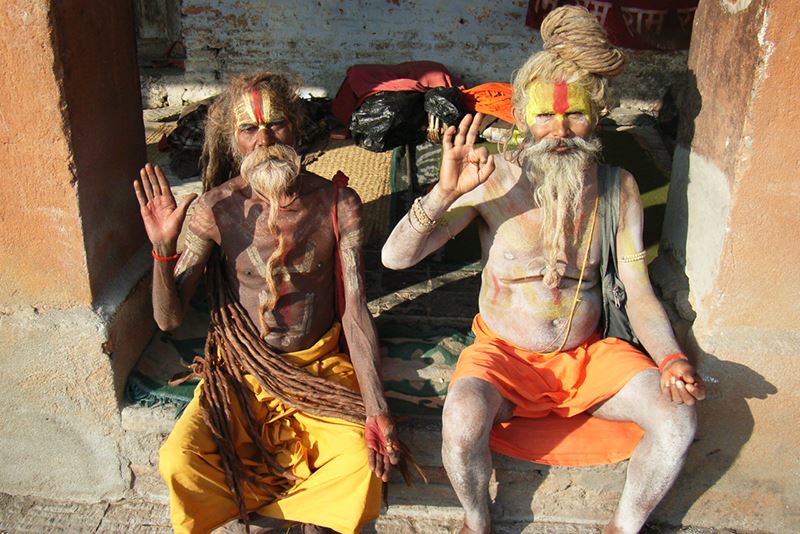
551,394
335,487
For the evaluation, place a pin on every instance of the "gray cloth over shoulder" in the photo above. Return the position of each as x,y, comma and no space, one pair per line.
614,321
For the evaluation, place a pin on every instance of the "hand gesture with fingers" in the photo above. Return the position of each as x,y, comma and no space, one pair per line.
382,451
162,217
464,167
681,384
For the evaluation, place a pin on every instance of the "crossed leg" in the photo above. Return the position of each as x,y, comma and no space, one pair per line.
471,408
657,460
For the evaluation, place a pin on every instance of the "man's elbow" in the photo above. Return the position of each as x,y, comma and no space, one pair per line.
168,323
394,261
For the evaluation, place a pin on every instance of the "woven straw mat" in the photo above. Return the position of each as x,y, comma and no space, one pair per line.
369,177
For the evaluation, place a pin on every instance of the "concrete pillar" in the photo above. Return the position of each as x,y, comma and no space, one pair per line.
732,217
74,308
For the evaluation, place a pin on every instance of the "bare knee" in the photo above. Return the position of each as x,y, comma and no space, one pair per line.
670,425
675,426
469,412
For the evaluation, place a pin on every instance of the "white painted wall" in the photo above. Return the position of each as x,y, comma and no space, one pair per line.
479,41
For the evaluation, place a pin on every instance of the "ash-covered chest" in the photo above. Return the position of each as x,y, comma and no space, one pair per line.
298,242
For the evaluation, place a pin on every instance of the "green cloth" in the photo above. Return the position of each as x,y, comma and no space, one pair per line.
416,365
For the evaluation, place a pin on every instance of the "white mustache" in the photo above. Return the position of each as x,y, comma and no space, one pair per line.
591,145
265,158
279,152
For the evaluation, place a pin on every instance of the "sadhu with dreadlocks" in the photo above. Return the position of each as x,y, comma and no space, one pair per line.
562,244
283,425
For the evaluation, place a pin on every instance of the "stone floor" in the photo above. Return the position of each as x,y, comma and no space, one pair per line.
137,516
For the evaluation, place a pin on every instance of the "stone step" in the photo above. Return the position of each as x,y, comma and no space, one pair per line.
522,491
140,516
527,498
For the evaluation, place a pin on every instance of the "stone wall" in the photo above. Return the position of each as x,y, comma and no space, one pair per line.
730,225
74,302
477,41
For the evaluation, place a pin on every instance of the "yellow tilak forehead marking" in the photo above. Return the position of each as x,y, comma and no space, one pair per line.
258,107
556,99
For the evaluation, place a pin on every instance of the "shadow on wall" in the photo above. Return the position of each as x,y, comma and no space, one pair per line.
725,426
725,420
676,217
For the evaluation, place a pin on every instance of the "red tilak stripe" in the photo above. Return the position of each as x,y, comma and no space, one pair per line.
255,96
560,103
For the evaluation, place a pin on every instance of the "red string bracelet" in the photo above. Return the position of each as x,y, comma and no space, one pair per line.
164,258
665,361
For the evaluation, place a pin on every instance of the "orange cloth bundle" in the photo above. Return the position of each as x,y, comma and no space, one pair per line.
493,98
551,394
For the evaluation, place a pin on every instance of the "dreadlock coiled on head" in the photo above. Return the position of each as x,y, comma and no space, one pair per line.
576,50
220,159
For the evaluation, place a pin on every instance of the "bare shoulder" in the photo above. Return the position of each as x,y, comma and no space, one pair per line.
506,173
502,179
630,202
349,209
203,215
347,197
316,192
223,191
313,181
629,189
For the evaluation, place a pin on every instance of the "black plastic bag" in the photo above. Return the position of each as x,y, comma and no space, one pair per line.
445,103
186,140
389,119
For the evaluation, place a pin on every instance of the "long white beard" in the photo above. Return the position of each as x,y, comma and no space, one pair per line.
557,180
271,171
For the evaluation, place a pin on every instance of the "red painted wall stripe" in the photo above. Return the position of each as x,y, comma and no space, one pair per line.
560,100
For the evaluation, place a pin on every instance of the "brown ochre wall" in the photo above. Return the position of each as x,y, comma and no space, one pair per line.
71,145
731,224
760,264
106,131
74,302
43,261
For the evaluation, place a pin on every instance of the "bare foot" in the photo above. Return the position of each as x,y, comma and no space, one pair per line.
611,529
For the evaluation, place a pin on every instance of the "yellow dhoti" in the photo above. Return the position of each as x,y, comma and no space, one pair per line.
335,487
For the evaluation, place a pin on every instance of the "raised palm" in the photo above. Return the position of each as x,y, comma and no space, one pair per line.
162,217
464,167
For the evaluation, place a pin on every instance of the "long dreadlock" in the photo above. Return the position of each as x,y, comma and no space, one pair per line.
234,348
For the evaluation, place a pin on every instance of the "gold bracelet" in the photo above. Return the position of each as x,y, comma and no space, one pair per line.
421,217
633,258
414,226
